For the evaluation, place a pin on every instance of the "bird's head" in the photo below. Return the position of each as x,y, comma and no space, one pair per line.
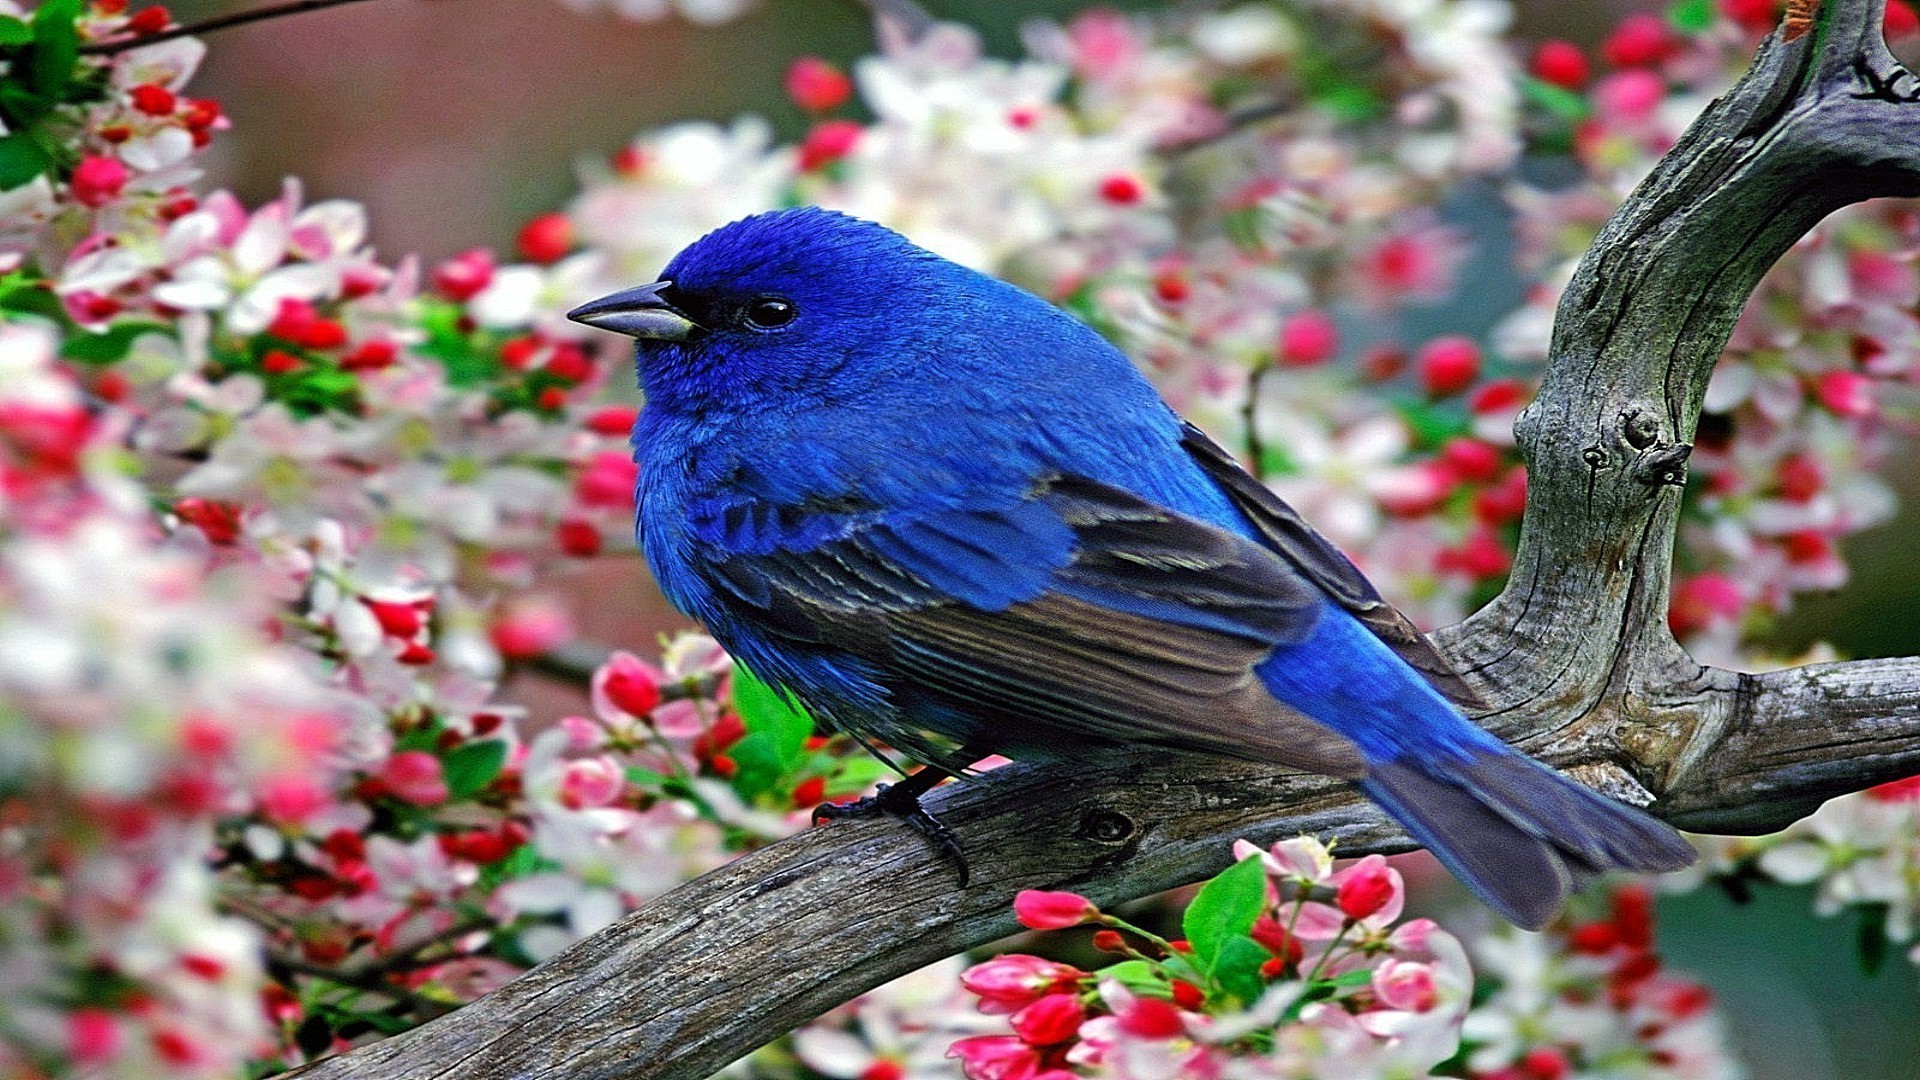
790,302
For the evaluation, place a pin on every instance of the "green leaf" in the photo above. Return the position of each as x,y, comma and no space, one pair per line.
29,294
854,774
765,712
1226,907
760,769
1237,970
14,31
21,159
776,738
470,768
108,346
56,46
466,364
1433,424
1691,16
1558,100
1138,976
20,106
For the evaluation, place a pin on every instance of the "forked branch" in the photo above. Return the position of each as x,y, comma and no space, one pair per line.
1574,656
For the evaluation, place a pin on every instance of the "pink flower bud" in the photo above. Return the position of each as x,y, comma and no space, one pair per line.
995,1057
290,799
462,277
414,776
1055,1018
1847,393
1629,95
98,180
1641,39
1010,983
529,626
1040,910
1447,365
628,684
1308,337
93,1036
1122,189
607,481
1151,1018
1471,459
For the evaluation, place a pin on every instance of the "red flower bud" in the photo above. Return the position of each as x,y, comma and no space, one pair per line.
546,238
1562,64
1366,887
828,142
153,100
818,86
1448,365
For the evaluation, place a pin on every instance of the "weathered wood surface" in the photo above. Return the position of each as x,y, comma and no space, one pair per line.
1574,656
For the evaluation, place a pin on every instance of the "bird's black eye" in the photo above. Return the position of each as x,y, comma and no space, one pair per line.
770,312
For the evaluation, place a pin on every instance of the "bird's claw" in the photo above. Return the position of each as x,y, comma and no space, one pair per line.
903,802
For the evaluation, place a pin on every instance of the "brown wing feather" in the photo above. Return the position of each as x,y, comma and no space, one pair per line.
1315,558
1079,671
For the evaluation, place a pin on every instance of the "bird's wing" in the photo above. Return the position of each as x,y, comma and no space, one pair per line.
1076,613
1314,557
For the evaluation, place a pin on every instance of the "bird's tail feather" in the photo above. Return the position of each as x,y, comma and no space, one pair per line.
1520,835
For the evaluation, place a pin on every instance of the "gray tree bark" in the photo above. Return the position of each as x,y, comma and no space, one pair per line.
1574,656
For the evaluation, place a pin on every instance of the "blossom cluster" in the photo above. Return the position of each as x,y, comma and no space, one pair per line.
1288,968
1858,852
1591,998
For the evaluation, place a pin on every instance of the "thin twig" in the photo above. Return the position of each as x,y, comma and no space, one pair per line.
208,26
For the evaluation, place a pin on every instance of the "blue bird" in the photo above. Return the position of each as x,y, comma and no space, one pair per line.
949,517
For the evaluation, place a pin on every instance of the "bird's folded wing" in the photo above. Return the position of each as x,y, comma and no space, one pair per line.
1076,613
1314,557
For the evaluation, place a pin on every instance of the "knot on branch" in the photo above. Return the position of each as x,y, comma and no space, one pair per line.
1898,87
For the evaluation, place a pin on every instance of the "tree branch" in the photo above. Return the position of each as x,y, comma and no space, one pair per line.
1574,656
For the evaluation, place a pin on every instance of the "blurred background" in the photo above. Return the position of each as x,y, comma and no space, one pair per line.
455,121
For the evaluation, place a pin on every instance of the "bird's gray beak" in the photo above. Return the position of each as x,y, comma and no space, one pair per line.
639,313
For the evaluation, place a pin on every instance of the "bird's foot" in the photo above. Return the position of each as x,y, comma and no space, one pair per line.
902,801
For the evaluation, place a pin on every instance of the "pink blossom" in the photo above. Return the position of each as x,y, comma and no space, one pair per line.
1040,910
591,782
289,799
1405,984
